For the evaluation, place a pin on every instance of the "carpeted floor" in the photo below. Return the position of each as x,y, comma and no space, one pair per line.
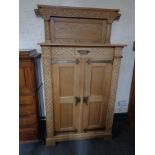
123,143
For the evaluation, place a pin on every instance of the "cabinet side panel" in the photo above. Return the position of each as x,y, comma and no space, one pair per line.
46,60
114,81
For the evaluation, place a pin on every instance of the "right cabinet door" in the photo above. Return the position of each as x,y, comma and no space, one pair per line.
97,82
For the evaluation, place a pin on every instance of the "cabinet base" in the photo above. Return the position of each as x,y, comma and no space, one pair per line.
52,140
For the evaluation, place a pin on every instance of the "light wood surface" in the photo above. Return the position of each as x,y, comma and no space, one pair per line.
70,30
80,25
81,70
97,88
65,89
97,80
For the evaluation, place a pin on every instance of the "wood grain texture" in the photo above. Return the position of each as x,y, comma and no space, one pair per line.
81,71
28,105
62,24
46,60
71,30
97,87
114,82
80,136
65,89
83,12
106,110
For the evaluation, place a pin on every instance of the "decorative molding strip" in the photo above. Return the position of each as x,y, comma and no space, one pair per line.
114,82
79,12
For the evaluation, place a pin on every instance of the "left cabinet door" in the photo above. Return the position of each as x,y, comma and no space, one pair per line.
66,96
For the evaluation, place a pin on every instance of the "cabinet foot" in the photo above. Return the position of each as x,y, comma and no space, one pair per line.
50,142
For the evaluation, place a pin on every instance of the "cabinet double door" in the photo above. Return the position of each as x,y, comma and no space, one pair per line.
81,91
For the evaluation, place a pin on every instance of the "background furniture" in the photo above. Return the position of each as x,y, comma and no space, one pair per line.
28,100
131,109
81,70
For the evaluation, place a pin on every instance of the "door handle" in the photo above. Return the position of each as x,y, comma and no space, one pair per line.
83,52
85,99
77,100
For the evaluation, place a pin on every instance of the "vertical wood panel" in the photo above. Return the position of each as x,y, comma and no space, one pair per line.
65,89
97,87
28,105
66,80
97,77
66,115
56,99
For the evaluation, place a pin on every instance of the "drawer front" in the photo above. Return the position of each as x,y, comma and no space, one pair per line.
26,78
27,110
26,100
28,121
102,53
73,53
28,134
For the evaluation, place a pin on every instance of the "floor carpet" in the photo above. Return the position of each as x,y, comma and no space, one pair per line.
123,143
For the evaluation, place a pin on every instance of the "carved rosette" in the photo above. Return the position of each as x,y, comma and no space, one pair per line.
114,81
46,60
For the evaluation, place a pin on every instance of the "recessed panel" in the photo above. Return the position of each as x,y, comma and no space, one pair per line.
66,81
66,115
78,30
94,113
21,77
97,80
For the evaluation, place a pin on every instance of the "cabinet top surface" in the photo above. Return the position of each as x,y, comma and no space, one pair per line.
82,45
71,7
28,53
83,12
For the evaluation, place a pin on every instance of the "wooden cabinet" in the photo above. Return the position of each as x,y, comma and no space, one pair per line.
81,69
28,108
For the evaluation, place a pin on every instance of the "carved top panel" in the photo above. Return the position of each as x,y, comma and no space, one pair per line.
78,12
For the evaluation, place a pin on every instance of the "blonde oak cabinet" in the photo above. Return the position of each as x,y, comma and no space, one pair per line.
81,70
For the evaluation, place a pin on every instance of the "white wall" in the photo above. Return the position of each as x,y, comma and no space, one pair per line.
31,32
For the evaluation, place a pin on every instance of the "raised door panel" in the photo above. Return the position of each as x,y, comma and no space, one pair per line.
65,90
96,94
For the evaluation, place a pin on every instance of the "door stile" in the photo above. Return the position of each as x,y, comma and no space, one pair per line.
81,75
56,90
87,81
76,108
